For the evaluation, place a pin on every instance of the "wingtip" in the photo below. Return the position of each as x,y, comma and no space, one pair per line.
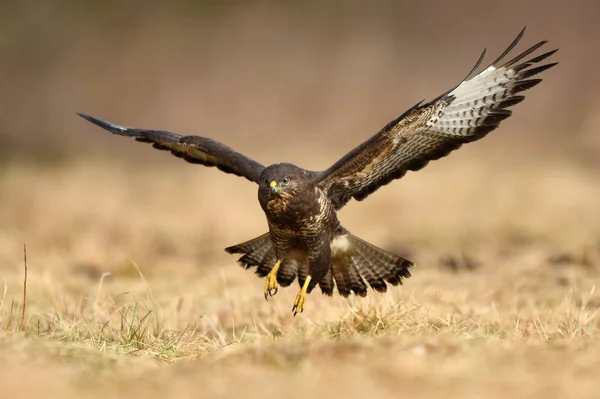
111,127
86,117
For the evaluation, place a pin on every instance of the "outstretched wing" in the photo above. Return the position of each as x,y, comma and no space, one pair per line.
431,131
194,149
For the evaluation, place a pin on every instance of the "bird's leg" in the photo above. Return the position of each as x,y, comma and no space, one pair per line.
271,281
301,297
318,265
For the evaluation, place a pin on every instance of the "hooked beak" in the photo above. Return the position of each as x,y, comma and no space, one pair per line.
274,187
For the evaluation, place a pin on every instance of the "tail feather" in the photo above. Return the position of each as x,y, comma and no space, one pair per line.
267,262
391,268
287,272
250,246
364,262
364,267
358,284
353,258
260,253
348,279
256,257
327,284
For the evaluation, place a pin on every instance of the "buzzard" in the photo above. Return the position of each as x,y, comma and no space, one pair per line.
305,239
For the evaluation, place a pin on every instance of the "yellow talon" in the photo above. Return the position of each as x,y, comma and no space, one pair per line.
271,281
301,298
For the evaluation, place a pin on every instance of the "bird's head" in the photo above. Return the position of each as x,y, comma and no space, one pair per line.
282,181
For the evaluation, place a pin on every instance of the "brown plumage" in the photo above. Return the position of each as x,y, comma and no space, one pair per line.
305,239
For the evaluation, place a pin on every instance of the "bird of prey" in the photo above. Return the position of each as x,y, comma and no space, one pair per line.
305,239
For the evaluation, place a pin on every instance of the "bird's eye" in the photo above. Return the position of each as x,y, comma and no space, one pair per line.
286,180
266,182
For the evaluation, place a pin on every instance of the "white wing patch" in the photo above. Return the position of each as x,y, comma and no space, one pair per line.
474,100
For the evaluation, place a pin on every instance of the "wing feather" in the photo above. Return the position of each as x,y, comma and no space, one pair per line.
193,149
430,131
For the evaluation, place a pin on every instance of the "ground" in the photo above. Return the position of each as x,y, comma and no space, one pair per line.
129,291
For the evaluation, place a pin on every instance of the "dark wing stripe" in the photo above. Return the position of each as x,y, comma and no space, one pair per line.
431,131
193,149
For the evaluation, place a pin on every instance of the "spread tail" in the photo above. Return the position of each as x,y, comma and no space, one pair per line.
352,260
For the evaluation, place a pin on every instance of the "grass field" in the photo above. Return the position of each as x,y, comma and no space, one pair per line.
130,294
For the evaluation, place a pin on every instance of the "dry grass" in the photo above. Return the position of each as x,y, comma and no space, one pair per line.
130,293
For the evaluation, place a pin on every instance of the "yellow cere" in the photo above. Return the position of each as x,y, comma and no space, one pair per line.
273,183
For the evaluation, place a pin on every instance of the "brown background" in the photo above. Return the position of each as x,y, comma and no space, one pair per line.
267,77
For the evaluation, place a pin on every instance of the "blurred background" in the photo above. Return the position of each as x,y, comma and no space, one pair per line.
267,77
